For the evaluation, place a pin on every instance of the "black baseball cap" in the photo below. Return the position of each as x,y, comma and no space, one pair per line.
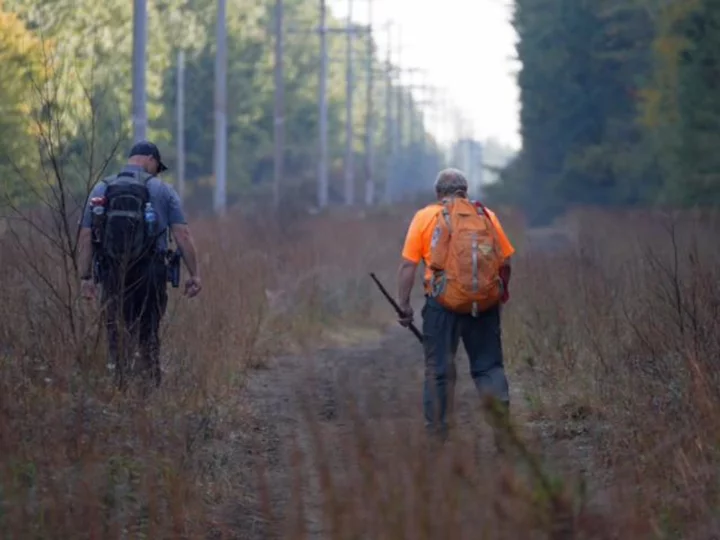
146,148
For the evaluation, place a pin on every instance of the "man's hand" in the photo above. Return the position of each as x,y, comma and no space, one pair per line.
88,289
407,317
193,286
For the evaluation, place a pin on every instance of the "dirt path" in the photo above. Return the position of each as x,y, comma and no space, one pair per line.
294,396
297,398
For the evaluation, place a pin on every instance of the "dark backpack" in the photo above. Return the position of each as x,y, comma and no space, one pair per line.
125,238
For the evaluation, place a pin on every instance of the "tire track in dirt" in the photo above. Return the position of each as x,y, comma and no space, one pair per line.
379,382
293,393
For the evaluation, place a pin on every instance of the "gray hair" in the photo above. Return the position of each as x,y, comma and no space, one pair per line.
450,182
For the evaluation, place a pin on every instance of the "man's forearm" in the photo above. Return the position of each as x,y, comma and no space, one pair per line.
187,246
406,279
181,234
190,258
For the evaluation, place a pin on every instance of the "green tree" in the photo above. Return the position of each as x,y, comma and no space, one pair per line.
583,69
21,55
90,93
698,179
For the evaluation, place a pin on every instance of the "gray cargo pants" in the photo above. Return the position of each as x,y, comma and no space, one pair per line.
481,336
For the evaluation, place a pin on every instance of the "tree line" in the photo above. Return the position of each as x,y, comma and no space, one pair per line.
67,80
619,105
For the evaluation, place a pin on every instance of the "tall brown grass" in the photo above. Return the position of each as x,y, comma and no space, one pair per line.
79,459
619,339
611,339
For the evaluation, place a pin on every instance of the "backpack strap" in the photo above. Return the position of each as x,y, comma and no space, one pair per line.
130,174
443,210
481,206
147,177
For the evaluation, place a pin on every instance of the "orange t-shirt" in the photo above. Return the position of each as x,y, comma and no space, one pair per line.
419,237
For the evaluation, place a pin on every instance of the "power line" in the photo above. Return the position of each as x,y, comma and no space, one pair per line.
279,121
323,30
402,109
322,105
349,172
139,90
369,126
390,126
220,164
180,125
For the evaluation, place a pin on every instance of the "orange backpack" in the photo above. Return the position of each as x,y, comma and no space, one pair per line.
465,258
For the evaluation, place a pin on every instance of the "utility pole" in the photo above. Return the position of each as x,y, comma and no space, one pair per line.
139,95
411,109
405,122
322,105
180,124
421,105
221,110
446,109
323,31
433,119
279,124
467,141
400,102
423,108
369,126
413,102
390,135
459,155
349,171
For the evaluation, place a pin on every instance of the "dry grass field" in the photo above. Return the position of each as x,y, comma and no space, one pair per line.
291,406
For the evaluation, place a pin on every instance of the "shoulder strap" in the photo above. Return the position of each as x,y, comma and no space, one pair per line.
442,209
146,177
109,179
481,206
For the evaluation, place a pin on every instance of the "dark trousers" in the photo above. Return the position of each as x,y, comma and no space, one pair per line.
481,336
134,306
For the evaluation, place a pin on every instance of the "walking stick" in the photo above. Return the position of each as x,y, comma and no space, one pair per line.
393,303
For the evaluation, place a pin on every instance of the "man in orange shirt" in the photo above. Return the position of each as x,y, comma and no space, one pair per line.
442,328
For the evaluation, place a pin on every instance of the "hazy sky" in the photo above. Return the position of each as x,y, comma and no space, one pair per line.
467,49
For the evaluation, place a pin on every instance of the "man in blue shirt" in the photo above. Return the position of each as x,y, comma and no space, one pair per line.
139,291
